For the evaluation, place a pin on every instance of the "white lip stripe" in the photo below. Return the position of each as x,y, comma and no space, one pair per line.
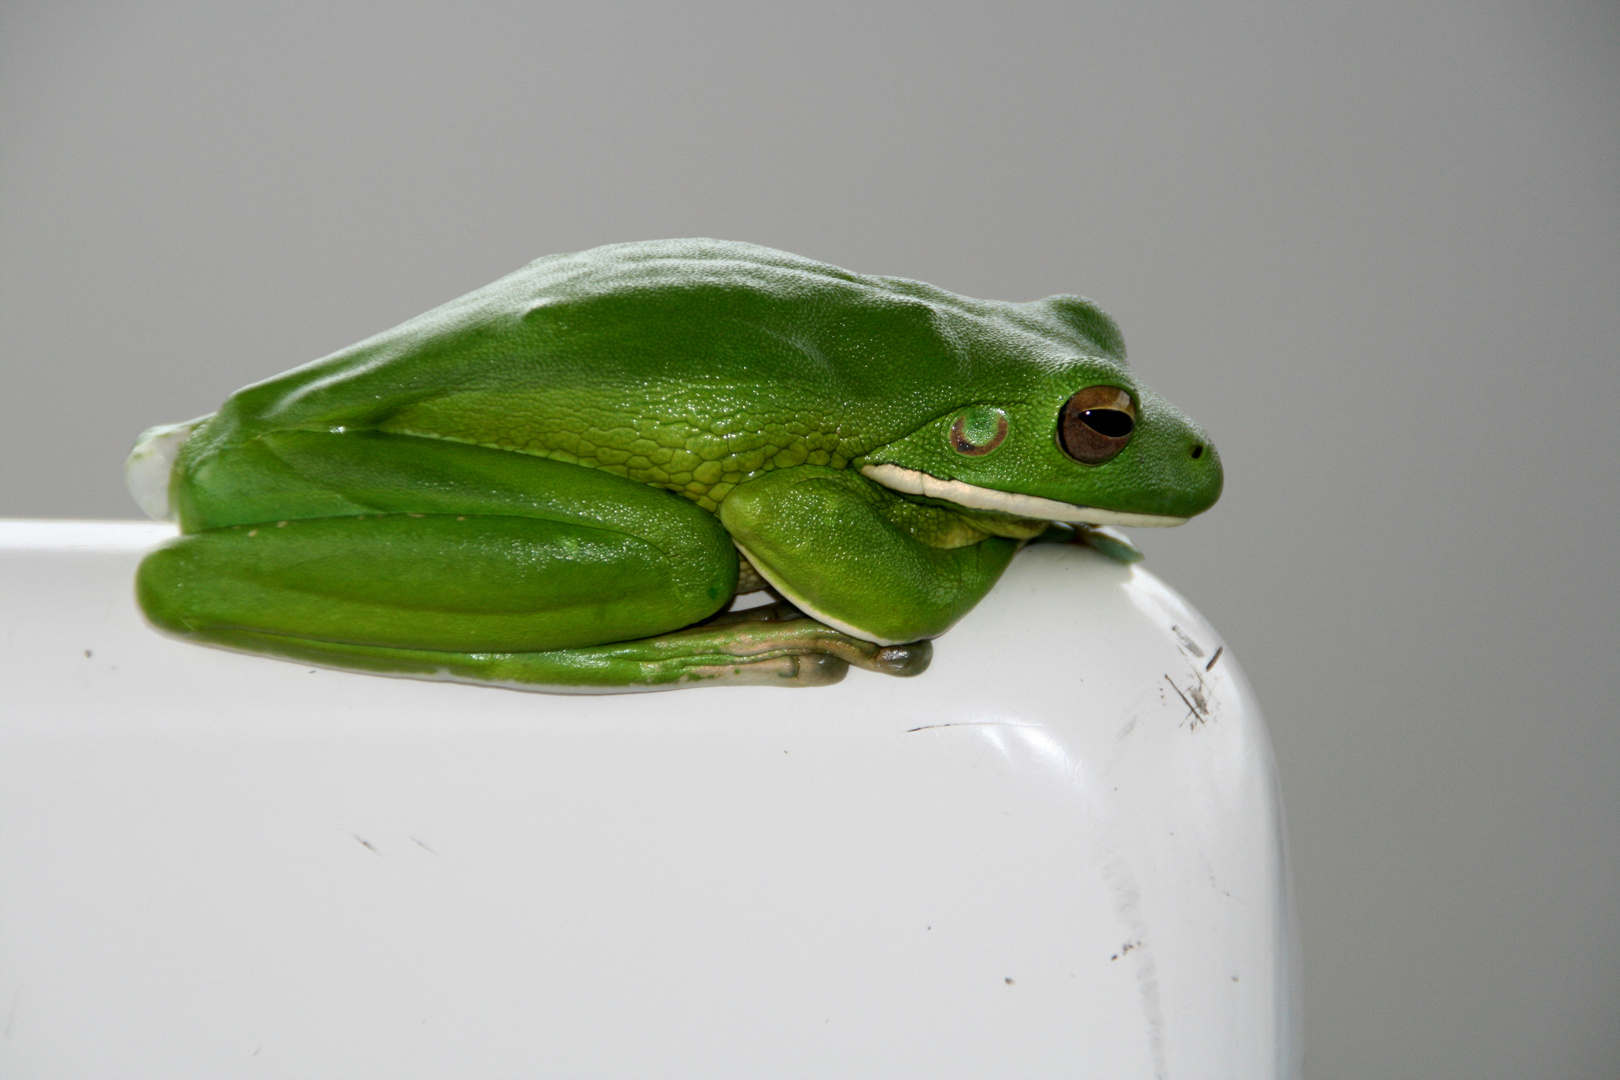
912,482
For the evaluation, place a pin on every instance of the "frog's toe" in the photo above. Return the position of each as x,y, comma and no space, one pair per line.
807,669
905,661
818,669
1109,542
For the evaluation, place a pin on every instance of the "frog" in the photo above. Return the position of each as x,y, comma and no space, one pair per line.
564,480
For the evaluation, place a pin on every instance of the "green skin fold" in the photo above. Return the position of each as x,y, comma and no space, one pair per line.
558,481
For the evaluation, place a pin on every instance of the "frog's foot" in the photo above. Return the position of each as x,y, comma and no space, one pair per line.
777,644
1110,542
774,645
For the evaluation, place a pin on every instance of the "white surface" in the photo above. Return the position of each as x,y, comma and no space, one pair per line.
1035,860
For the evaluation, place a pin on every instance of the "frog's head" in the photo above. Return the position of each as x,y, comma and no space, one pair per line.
1062,432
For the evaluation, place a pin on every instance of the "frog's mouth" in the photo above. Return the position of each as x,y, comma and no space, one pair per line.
912,482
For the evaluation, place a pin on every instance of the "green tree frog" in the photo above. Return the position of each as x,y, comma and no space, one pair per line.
562,480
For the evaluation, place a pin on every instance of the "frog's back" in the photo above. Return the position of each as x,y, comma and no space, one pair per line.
690,364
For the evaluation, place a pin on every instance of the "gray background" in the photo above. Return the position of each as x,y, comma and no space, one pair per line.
1375,249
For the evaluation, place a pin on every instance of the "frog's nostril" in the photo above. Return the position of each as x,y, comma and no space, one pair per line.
1197,451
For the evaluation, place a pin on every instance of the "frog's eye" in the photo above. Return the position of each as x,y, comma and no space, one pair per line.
978,430
1096,423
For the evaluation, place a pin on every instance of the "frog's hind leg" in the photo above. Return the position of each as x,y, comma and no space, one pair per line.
450,582
423,557
396,541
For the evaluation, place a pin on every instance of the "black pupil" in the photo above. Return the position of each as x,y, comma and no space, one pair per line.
1113,423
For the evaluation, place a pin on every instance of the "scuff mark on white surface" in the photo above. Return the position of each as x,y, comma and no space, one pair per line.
1128,903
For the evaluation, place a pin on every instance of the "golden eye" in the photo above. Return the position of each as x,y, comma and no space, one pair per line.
1096,423
978,430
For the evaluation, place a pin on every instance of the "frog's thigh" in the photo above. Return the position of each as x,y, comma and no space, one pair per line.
464,549
433,581
822,538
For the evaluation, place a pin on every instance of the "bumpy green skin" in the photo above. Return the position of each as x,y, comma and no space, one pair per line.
545,482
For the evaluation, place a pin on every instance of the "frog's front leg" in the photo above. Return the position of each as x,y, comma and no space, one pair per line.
859,558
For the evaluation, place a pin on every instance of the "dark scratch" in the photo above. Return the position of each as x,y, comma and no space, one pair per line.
421,845
966,723
1191,711
1214,658
363,842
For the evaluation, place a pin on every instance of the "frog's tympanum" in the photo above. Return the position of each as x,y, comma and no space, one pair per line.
562,480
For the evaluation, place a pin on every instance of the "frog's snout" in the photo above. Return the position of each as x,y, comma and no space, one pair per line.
1204,471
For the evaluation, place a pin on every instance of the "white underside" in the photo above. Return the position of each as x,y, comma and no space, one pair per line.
912,482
